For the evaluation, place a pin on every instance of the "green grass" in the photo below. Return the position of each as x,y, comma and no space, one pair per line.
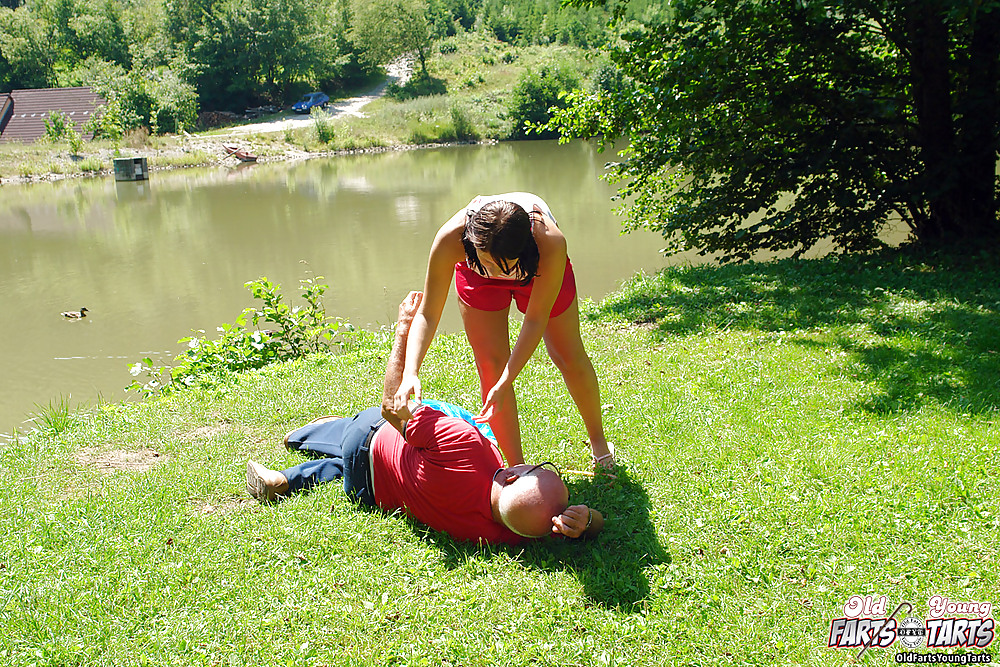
791,434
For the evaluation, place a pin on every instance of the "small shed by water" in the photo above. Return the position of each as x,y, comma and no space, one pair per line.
23,112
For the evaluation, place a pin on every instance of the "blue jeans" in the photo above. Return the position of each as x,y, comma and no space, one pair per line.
342,447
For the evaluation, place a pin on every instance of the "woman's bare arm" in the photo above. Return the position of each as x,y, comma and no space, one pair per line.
446,250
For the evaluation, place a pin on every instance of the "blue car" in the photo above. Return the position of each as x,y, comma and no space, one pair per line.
310,100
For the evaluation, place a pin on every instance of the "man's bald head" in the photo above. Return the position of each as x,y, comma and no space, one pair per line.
528,504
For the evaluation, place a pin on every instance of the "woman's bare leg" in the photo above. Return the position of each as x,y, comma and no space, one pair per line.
565,347
489,336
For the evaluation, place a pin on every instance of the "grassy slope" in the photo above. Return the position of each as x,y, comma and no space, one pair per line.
792,434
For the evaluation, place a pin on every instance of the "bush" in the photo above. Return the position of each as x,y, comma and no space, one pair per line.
323,124
75,141
607,78
535,93
243,345
111,120
173,103
157,99
462,124
56,125
419,85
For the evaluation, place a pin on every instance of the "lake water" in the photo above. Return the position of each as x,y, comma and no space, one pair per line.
152,261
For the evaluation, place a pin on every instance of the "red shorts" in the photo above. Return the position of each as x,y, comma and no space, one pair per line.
482,293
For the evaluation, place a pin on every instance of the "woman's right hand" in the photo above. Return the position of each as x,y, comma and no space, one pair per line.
409,386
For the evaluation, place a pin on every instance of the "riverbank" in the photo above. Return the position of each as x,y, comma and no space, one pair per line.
478,72
791,434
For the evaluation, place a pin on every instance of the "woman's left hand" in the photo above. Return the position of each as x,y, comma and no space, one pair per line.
496,398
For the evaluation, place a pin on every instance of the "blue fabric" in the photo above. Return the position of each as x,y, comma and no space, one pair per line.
453,410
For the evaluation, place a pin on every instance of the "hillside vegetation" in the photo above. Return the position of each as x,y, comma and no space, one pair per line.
477,88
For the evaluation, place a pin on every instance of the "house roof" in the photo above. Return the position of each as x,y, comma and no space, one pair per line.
23,112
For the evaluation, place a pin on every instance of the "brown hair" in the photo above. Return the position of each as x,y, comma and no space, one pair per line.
502,229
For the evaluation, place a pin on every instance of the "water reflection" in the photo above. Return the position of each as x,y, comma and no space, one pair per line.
151,261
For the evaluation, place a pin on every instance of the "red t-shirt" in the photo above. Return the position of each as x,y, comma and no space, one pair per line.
441,475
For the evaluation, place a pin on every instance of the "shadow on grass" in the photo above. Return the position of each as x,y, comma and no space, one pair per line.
920,327
611,567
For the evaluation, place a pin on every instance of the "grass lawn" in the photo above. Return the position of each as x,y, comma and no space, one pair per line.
791,434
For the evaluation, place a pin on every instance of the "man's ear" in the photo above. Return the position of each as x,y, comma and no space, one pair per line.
510,478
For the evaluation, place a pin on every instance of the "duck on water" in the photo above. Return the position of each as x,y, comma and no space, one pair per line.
75,314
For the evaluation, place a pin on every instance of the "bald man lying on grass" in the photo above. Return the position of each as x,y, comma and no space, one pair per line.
438,468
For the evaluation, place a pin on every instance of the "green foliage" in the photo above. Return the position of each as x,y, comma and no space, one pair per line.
388,29
248,51
158,99
544,22
110,120
779,125
27,59
56,417
164,59
538,92
91,164
323,125
464,128
75,141
81,29
56,124
420,84
173,103
244,345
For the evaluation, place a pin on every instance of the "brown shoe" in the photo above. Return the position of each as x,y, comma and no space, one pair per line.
318,420
263,484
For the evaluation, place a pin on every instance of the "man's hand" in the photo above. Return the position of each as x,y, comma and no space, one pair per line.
408,308
573,521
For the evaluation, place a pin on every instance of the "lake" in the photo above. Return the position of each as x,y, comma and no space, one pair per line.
154,260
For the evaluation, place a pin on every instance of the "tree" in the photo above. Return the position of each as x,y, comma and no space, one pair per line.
387,29
252,49
27,58
86,28
534,97
773,125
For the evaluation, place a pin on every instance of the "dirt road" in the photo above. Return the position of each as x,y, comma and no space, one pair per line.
398,72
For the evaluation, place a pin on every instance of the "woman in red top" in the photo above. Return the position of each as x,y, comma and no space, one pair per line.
502,248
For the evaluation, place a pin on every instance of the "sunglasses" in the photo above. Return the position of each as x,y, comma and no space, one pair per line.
547,464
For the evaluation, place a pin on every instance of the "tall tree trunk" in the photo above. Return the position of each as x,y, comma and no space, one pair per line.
978,131
930,74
